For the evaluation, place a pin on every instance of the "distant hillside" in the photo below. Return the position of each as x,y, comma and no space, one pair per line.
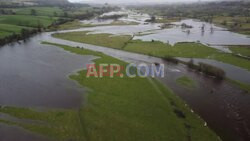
33,2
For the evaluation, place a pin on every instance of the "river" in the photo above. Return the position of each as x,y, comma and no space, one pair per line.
33,75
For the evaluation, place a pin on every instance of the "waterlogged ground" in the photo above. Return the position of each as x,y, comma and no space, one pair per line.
212,35
216,37
228,62
130,16
41,70
209,96
33,75
110,109
222,97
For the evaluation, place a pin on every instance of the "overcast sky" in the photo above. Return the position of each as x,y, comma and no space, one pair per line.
135,1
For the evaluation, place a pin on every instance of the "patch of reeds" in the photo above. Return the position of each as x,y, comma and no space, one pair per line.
207,69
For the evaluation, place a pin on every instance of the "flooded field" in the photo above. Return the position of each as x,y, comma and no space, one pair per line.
33,75
212,35
222,105
206,33
8,132
232,72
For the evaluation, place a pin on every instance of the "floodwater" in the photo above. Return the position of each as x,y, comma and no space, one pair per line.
131,17
223,106
232,72
219,38
35,75
13,133
211,35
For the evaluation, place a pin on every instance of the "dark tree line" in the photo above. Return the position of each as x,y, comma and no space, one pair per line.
25,33
7,12
204,10
63,18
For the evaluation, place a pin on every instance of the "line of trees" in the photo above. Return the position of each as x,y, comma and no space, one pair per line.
207,69
199,10
7,12
25,33
63,18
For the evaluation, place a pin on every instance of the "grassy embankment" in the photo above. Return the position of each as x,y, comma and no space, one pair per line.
77,24
159,49
117,109
106,40
243,50
186,82
156,48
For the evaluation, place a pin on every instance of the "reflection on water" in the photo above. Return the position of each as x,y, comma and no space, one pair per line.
32,74
212,35
232,72
202,32
131,17
13,133
222,105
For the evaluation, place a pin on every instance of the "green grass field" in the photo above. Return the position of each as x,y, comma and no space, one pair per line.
156,48
4,34
243,50
22,19
10,24
16,18
27,20
8,29
40,11
77,24
11,28
124,109
106,40
160,49
71,25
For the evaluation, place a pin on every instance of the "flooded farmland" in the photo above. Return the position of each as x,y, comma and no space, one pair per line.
33,74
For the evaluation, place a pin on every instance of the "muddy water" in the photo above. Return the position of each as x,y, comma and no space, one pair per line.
13,133
222,105
212,35
33,75
232,72
131,17
203,32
